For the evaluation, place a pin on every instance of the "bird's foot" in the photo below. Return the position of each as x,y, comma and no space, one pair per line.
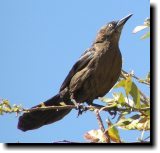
113,113
74,102
80,107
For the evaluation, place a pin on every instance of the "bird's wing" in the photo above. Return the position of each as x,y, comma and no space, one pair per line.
79,65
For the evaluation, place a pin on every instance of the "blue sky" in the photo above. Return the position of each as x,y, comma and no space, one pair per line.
40,40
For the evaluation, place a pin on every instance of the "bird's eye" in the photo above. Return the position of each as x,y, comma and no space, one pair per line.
110,25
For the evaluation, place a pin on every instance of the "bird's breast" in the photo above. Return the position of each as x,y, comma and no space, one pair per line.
98,77
106,70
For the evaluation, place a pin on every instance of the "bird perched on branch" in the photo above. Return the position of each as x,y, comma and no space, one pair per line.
92,76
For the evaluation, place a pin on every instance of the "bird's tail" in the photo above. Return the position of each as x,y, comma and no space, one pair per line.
35,119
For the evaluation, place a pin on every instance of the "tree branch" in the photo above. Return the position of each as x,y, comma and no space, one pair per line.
137,78
101,126
91,108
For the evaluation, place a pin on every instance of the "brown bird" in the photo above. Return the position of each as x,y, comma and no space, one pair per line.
92,76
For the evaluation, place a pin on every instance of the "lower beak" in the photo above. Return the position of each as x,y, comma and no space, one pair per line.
123,21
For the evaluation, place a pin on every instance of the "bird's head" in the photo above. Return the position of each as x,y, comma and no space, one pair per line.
112,30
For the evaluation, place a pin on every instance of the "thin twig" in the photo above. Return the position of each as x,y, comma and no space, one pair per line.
44,108
137,78
101,126
142,134
91,108
144,96
146,138
100,123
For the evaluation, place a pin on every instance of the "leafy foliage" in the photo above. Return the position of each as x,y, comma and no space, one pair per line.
145,25
130,89
131,107
5,107
95,136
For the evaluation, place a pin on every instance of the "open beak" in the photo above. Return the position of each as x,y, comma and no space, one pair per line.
121,22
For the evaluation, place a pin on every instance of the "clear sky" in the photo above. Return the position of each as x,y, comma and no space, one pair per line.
40,40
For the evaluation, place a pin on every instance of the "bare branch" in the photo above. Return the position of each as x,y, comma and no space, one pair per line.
101,126
137,78
100,123
91,108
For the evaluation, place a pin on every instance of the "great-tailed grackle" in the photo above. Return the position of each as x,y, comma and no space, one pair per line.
92,76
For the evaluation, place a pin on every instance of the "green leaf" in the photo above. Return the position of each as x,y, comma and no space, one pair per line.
7,109
106,100
147,113
130,88
135,95
148,77
121,83
123,123
121,99
128,85
135,122
1,110
143,124
147,35
113,132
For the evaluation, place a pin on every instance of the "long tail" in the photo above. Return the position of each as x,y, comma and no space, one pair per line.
38,118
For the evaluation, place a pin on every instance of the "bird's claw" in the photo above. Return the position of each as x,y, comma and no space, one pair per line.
113,113
80,107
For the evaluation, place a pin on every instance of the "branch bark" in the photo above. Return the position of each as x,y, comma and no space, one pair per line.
101,126
91,108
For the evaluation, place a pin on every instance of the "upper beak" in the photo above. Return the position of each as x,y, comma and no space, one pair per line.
123,21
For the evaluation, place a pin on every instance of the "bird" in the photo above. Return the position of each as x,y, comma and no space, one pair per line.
92,76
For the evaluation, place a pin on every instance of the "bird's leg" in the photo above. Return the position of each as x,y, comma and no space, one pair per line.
74,102
113,113
79,106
